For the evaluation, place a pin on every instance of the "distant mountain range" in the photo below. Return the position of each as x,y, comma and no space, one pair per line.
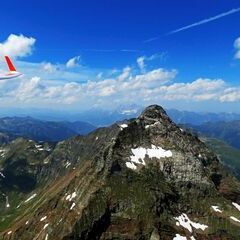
13,127
104,117
227,131
207,124
100,117
196,118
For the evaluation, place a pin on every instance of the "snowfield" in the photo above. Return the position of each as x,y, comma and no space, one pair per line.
138,155
184,221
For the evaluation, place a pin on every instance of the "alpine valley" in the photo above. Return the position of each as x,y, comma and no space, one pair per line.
143,178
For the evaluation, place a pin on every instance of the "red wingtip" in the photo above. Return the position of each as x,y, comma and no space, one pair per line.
10,64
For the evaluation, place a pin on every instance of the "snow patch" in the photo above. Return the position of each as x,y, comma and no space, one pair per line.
122,126
235,219
39,147
151,125
140,153
46,160
185,222
67,164
46,238
30,198
43,218
45,226
70,197
96,138
9,232
131,165
2,175
154,151
2,152
73,205
237,206
179,237
7,202
26,222
216,209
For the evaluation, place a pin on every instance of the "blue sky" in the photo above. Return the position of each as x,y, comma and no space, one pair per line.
193,63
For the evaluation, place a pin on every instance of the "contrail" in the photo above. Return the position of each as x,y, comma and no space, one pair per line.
211,19
206,20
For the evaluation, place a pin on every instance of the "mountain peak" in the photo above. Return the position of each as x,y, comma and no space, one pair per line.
153,112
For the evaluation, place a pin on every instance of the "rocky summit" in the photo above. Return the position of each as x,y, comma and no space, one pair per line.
143,178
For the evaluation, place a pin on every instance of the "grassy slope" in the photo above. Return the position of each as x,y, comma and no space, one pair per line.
229,155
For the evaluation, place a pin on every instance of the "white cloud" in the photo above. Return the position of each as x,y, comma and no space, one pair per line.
155,86
17,46
28,90
55,72
153,78
230,95
73,62
198,90
49,67
68,93
107,91
99,75
125,74
237,46
140,62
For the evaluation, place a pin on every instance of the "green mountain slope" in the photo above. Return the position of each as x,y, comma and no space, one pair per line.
227,131
229,156
13,127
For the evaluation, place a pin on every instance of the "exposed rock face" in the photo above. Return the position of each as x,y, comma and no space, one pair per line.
128,181
189,155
